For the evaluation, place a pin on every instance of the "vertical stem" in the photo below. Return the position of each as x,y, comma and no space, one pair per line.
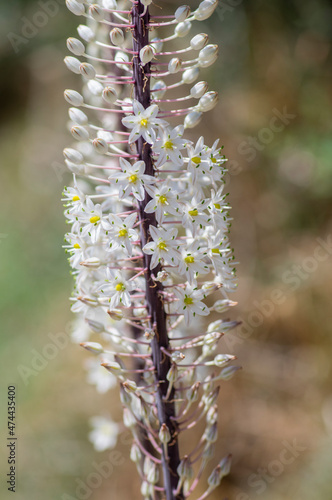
165,408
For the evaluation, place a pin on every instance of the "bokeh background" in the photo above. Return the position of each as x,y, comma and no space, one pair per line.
274,77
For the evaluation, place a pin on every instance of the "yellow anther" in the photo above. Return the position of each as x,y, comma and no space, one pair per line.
188,301
196,159
76,198
133,178
193,213
217,206
120,287
215,250
162,245
213,160
123,233
162,199
168,145
94,219
76,245
189,260
144,122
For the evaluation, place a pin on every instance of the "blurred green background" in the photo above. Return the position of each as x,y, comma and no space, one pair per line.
274,77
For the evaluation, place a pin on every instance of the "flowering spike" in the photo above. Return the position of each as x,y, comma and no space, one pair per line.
148,242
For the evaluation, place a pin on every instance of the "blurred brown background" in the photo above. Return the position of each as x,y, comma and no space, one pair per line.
274,77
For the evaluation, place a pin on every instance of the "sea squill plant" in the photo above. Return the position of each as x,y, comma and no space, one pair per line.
148,243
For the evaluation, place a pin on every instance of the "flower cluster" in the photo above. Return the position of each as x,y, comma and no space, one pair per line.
148,243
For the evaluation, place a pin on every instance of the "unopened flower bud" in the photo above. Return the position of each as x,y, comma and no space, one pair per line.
211,433
125,397
135,453
75,46
91,262
75,7
110,95
211,398
164,434
198,89
86,33
192,119
73,155
129,420
146,54
93,347
182,29
152,473
87,70
228,372
208,55
112,366
174,65
77,116
199,41
100,145
185,469
172,374
190,75
182,13
223,305
208,101
192,393
130,386
96,12
73,64
95,87
222,469
212,415
162,276
221,359
115,314
147,489
157,44
205,9
95,326
117,37
73,97
79,133
157,93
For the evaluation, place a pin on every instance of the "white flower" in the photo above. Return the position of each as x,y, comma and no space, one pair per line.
189,303
192,262
132,179
91,219
218,208
143,122
121,232
193,215
77,247
169,145
164,201
163,247
74,198
98,376
197,158
104,434
117,288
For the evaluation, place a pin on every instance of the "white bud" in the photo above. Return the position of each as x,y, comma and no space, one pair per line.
212,415
115,314
190,75
87,70
172,373
221,359
211,433
86,33
182,29
152,474
156,44
73,97
75,46
73,64
205,9
198,89
73,155
79,133
208,55
77,116
129,386
182,13
93,347
75,7
192,393
110,95
121,57
222,469
147,489
159,84
192,119
164,434
223,305
95,326
104,134
96,88
199,41
112,366
146,54
228,372
215,325
185,469
174,65
117,36
100,146
177,356
75,168
162,276
135,452
208,101
91,263
109,4
96,12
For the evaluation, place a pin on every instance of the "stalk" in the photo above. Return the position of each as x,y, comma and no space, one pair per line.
154,303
